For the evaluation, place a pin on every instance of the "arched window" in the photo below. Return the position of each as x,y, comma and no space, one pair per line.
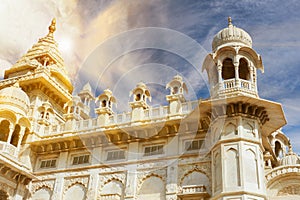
138,97
15,136
244,69
4,130
103,104
175,90
278,149
228,69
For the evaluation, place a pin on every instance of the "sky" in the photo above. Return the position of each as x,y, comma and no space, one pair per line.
117,43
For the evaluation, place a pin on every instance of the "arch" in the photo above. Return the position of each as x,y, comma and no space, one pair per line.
42,193
278,149
75,191
26,133
4,130
230,130
3,195
232,168
253,55
196,177
8,115
217,172
244,72
153,187
23,121
113,187
228,71
103,104
15,135
249,130
251,176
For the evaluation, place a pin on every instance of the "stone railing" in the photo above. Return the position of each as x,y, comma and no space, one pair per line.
231,85
155,114
192,189
8,149
281,171
110,196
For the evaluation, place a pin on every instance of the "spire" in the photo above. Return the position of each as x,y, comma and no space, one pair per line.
229,21
52,27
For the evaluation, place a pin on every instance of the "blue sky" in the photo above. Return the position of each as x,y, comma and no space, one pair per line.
180,36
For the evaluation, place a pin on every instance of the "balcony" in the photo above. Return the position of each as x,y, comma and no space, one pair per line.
233,87
190,192
8,149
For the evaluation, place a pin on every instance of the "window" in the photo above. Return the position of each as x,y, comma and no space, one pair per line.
153,150
193,145
115,155
48,164
77,160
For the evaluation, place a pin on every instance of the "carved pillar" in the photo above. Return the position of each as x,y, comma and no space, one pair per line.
220,81
172,176
93,185
21,135
236,71
11,130
58,188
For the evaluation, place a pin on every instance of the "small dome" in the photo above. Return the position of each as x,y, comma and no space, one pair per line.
290,159
15,98
231,36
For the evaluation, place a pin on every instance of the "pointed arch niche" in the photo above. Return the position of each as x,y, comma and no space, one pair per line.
251,175
113,190
232,168
152,188
42,193
76,191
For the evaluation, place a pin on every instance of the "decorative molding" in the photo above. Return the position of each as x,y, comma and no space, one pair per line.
143,175
281,172
204,168
69,182
289,190
38,185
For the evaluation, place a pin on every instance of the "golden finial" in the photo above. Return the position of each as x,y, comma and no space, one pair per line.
229,21
52,27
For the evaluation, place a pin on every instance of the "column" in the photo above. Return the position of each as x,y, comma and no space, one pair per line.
220,76
236,70
58,188
93,184
11,130
21,135
131,182
172,175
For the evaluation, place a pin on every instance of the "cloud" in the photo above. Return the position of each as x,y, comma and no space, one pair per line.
27,21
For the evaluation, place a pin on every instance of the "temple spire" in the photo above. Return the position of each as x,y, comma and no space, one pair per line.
52,27
229,21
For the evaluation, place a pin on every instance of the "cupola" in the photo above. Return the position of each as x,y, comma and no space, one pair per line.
231,36
231,67
290,158
139,104
15,99
176,97
104,110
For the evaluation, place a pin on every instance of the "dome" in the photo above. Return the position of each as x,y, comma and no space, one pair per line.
290,159
14,98
231,36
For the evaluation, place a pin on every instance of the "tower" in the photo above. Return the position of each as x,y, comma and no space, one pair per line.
140,95
240,120
176,97
106,101
41,74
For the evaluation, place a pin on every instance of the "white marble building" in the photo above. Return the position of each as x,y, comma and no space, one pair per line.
229,146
